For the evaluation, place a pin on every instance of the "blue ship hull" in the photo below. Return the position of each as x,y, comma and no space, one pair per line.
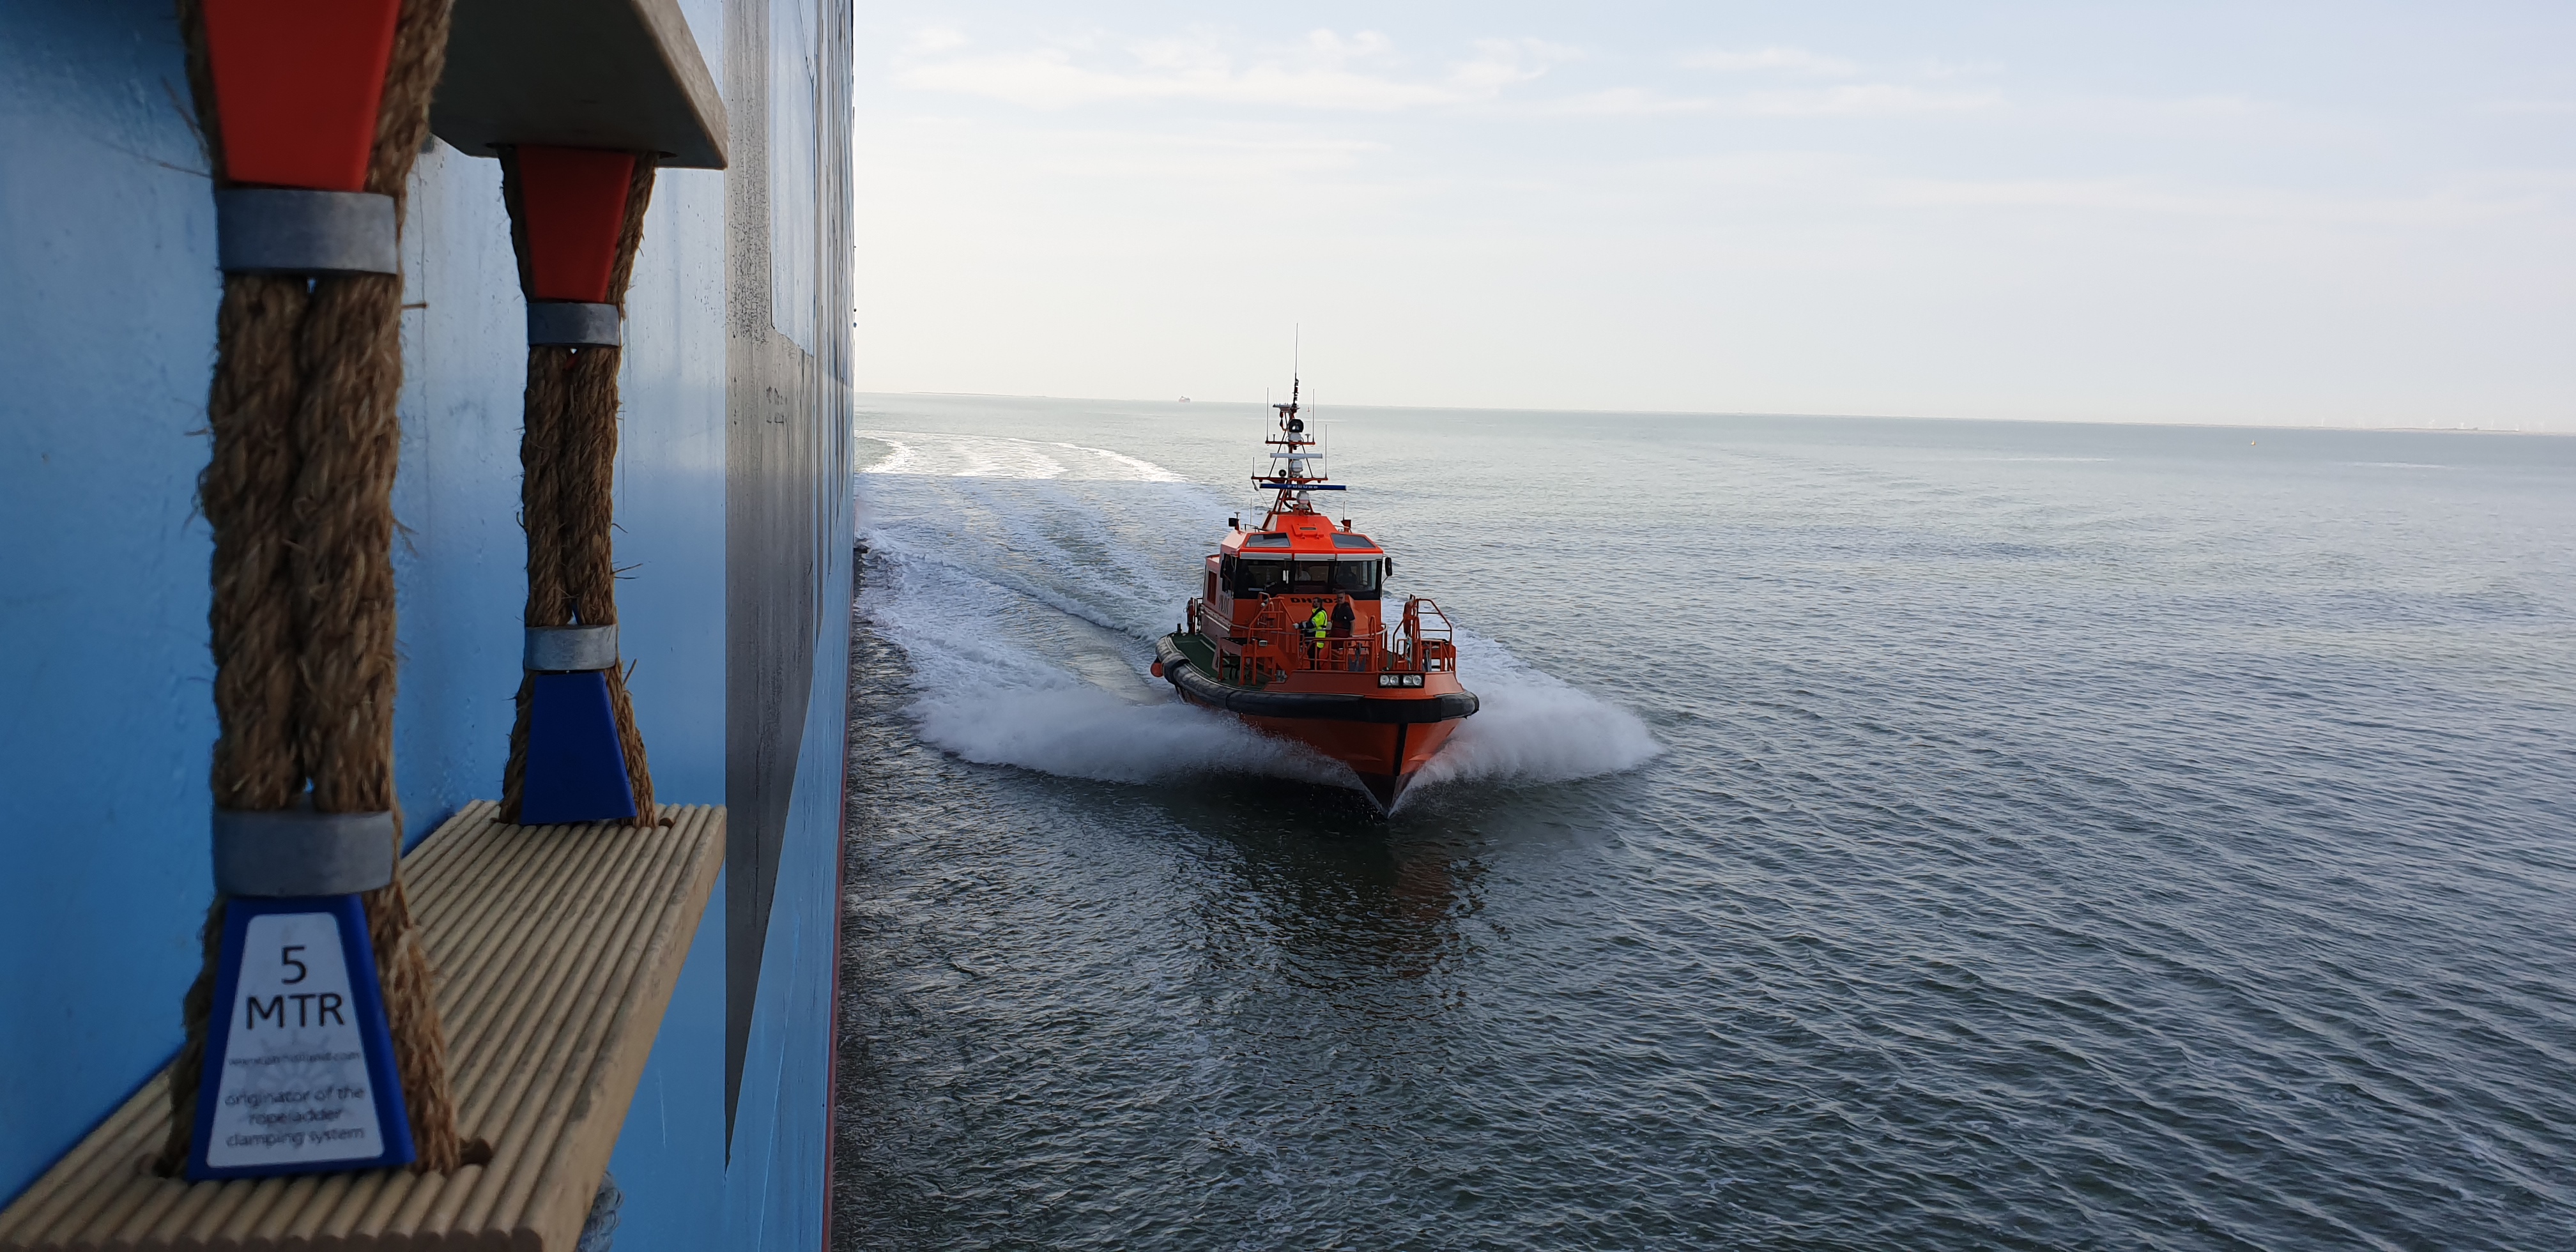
734,551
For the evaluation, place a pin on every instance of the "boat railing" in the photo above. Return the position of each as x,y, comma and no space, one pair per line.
1426,637
1273,643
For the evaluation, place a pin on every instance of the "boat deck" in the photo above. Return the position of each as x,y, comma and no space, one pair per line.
1196,646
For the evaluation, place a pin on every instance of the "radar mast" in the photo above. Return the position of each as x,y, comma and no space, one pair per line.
1296,459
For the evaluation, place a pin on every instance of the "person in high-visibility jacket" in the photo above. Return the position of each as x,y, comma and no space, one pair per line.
1322,624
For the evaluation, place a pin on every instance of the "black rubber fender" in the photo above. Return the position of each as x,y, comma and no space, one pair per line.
1204,688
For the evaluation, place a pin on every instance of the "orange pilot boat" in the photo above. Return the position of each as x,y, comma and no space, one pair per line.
1290,634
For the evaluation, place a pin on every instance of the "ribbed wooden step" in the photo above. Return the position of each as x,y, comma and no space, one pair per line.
557,948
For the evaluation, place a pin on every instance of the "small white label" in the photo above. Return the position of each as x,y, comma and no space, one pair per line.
295,1088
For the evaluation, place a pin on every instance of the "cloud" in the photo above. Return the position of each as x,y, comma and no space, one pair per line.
933,39
1938,68
1846,100
1865,100
1628,102
1010,157
1324,71
1773,60
1876,99
1362,71
2453,207
2531,108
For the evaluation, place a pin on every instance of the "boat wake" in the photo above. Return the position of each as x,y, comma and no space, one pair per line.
1533,728
1025,583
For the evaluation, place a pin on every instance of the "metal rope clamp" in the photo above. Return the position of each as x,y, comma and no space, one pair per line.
299,852
568,649
273,230
566,324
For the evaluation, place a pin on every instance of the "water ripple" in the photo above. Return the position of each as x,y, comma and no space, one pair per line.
2060,838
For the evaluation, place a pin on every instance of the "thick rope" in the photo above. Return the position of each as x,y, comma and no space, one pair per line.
567,491
299,492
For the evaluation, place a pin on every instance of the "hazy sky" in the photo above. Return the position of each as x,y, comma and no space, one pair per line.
2351,213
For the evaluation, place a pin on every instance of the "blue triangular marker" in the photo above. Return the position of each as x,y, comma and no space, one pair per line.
299,1075
576,770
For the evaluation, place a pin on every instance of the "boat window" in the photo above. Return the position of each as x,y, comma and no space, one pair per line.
1265,577
1271,540
1260,577
1345,539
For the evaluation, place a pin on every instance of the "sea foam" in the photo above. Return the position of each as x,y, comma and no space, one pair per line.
1532,727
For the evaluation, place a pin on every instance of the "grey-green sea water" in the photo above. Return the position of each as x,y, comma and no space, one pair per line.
1878,834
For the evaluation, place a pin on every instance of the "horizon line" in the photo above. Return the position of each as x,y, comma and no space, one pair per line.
1873,417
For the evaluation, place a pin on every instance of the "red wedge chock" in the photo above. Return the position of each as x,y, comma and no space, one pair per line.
574,201
297,84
